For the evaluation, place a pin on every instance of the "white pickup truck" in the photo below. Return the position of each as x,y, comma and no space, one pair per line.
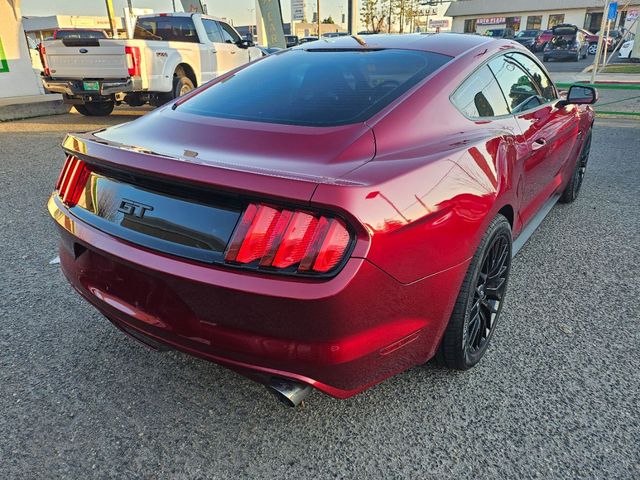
169,55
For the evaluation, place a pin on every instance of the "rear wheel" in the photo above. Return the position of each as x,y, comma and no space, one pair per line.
181,86
572,189
480,300
592,48
98,109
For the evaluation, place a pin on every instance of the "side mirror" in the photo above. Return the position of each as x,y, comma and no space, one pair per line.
245,43
582,95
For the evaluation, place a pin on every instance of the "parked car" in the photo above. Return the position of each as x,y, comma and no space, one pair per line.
542,40
61,33
626,50
567,43
308,39
170,55
291,40
297,223
594,38
527,38
500,33
335,34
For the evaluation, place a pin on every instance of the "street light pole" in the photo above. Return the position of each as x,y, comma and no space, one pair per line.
318,17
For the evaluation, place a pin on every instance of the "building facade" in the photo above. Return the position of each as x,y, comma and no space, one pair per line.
41,28
477,16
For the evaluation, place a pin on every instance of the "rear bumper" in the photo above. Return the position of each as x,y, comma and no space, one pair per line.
340,335
74,88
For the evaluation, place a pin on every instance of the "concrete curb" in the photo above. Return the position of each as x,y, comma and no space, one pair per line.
16,108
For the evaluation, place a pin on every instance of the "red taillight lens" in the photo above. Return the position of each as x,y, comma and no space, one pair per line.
281,239
43,59
133,60
72,180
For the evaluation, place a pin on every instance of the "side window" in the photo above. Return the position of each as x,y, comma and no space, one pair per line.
544,83
213,31
229,34
479,96
518,88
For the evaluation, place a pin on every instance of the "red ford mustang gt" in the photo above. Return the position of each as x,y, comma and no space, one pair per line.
329,215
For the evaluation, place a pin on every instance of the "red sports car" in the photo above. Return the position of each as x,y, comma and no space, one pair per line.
329,215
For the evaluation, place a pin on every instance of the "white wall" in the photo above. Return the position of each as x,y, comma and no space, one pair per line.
20,80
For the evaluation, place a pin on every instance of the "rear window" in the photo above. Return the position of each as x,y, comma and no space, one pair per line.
316,87
79,34
170,29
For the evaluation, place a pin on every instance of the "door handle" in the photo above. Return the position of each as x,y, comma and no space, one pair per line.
539,143
233,52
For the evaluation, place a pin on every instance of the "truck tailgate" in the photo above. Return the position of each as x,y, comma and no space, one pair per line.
95,59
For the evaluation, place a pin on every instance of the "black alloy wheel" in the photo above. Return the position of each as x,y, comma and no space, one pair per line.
480,301
488,294
572,189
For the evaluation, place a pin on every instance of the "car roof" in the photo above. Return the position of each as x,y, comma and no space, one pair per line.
451,44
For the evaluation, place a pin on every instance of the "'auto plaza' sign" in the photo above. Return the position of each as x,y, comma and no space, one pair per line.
495,20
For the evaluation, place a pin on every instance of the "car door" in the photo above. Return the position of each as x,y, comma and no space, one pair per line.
234,55
548,132
209,51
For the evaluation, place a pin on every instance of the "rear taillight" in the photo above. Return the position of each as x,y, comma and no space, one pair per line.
43,59
299,241
72,180
133,60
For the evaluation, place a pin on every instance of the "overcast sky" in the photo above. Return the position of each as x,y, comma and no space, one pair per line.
240,11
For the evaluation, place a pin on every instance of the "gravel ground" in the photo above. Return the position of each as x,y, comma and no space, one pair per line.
557,395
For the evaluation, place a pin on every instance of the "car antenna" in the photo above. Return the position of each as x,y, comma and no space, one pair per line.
360,40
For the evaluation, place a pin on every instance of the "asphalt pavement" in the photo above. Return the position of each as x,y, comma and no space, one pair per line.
557,395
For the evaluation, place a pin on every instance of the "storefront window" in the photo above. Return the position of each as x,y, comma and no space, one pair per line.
592,21
513,22
555,20
470,26
534,22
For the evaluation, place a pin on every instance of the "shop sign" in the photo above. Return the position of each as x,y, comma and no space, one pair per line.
491,21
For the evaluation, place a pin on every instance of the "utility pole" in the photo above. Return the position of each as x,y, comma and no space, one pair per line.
389,20
112,18
352,16
318,17
603,24
173,4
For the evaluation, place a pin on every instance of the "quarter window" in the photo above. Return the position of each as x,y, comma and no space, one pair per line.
479,96
518,88
540,78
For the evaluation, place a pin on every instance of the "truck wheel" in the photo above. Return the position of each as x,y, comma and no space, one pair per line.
181,86
101,109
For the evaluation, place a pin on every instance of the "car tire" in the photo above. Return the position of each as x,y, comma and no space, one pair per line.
572,189
545,59
98,109
181,86
593,48
480,300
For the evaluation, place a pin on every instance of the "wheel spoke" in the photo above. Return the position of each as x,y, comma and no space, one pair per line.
474,329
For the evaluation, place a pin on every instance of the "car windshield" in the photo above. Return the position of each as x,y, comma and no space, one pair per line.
494,33
316,87
527,33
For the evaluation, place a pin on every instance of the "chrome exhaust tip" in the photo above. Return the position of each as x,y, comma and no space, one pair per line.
289,392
